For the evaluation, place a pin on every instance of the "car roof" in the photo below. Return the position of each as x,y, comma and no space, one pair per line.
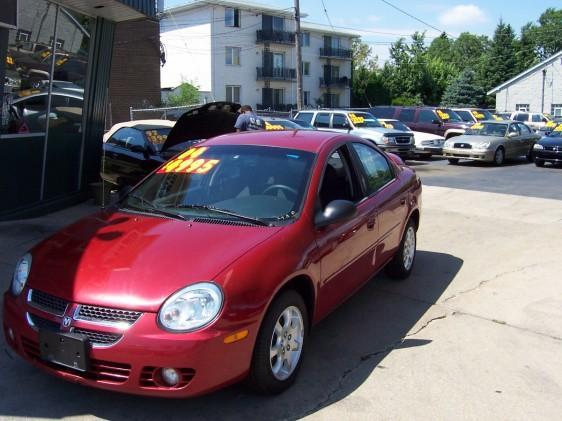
304,140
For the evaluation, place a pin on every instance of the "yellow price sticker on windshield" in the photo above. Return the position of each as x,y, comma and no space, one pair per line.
355,119
551,124
387,125
443,115
156,138
558,128
189,162
9,60
478,115
269,126
477,126
497,117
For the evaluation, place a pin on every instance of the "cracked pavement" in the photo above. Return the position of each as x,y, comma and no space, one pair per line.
474,333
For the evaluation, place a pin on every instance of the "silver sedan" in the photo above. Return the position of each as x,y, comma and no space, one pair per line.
492,141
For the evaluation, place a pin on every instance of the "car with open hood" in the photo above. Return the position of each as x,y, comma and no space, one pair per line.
361,124
214,268
132,150
492,141
549,148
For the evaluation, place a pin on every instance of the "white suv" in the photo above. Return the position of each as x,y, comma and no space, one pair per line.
534,120
361,124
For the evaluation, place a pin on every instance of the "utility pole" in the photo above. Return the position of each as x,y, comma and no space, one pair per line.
299,54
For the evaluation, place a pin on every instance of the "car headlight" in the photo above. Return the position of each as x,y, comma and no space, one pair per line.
447,144
537,146
482,145
20,274
387,140
191,307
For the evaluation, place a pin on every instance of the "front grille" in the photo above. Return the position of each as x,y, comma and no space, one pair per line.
103,371
403,139
98,338
553,148
47,302
41,323
463,145
106,315
150,378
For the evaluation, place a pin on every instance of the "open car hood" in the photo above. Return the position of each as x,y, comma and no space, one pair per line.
210,120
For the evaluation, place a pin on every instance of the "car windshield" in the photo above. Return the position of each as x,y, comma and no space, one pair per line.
395,124
157,137
251,184
557,132
364,120
487,129
448,115
281,125
482,115
465,116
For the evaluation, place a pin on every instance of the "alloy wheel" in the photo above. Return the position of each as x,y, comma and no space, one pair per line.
286,343
409,248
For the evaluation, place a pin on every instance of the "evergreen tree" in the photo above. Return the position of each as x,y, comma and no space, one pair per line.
500,62
464,91
526,48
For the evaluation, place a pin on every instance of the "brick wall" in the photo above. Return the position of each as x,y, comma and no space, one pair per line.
135,68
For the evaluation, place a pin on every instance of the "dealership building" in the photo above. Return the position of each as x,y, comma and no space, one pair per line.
55,71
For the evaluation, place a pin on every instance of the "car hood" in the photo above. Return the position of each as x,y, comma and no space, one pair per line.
426,136
378,131
133,261
476,139
210,120
551,141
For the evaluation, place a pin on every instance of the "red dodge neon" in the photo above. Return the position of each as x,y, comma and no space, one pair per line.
215,266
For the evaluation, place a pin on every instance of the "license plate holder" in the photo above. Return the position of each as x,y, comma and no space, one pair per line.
67,349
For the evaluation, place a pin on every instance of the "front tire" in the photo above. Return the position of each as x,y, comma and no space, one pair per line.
530,155
402,263
499,157
453,161
280,344
539,162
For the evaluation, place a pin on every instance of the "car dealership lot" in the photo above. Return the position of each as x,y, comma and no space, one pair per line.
475,333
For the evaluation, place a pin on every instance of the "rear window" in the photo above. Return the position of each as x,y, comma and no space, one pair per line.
382,112
322,120
157,137
406,115
465,115
305,117
521,117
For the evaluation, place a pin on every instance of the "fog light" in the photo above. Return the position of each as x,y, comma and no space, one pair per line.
170,376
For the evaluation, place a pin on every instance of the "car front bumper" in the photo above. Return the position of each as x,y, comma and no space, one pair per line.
131,365
549,156
401,150
472,154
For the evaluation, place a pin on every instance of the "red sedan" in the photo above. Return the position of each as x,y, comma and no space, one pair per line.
214,267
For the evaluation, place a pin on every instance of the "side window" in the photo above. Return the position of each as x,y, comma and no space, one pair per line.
322,120
406,115
536,118
128,137
521,117
376,167
339,121
426,116
514,129
524,129
336,181
305,117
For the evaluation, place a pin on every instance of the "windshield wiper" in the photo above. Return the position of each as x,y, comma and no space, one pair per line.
149,207
251,219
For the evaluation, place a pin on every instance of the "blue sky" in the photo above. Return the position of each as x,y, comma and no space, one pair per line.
382,24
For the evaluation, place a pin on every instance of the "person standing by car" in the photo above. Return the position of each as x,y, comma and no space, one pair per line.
247,120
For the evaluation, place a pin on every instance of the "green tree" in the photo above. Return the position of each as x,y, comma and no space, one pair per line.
364,68
527,48
467,51
187,94
500,61
464,91
549,34
441,47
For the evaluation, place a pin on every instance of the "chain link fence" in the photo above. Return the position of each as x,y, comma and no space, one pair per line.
162,113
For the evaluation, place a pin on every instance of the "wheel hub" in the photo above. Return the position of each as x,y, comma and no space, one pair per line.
286,343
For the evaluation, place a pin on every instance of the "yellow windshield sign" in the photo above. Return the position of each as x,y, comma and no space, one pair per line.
478,115
443,115
155,138
497,117
269,126
558,128
551,124
477,126
387,125
9,60
355,119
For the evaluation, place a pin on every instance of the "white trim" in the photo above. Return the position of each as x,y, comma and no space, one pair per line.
21,135
525,73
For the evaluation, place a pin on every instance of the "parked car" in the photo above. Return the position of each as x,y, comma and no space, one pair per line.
440,121
130,153
533,120
303,124
492,141
427,144
215,267
474,115
504,115
362,124
550,126
277,123
549,148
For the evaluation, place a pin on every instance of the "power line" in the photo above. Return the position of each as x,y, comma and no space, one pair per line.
414,17
327,16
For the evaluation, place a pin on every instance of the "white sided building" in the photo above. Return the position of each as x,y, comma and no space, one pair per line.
245,52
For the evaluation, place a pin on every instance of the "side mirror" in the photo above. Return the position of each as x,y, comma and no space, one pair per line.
138,149
117,194
512,134
335,211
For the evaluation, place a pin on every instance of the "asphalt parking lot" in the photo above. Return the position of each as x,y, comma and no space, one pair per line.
474,333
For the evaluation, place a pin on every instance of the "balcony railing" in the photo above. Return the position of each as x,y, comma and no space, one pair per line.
276,37
335,53
338,82
276,73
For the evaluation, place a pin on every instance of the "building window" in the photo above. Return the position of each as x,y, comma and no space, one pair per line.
232,17
233,93
521,107
278,60
556,110
306,97
233,56
59,45
305,40
306,68
278,23
23,36
278,96
332,100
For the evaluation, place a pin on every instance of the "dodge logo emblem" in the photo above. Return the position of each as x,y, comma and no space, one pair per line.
66,320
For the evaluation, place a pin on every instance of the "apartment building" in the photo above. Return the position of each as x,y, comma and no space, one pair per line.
245,52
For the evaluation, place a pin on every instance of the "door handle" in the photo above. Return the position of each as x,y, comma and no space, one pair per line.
371,220
403,201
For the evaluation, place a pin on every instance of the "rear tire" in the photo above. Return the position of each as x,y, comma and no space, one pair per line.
530,155
453,161
539,163
402,263
280,344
